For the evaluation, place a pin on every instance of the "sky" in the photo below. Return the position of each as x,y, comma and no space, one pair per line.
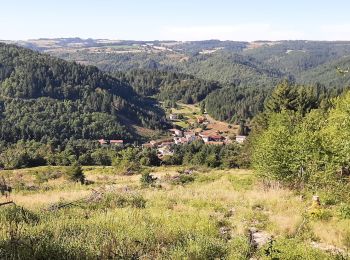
183,20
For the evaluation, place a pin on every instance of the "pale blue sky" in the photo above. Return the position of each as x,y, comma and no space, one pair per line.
176,20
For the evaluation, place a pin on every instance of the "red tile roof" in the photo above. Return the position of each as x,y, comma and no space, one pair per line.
116,141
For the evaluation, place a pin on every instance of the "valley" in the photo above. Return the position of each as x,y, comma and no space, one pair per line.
174,150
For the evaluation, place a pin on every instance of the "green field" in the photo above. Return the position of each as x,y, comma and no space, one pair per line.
205,215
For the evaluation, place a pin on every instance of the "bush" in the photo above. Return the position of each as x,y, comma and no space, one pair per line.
320,214
345,211
183,179
290,249
147,179
42,177
75,173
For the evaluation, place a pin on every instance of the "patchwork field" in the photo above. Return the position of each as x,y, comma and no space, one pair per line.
199,214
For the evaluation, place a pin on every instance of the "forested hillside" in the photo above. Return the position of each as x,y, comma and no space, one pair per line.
295,57
168,86
45,98
329,74
240,75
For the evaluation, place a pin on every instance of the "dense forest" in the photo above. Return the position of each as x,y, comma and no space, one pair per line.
167,86
45,98
240,73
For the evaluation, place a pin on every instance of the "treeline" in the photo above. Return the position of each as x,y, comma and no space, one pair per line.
200,154
301,139
83,152
46,98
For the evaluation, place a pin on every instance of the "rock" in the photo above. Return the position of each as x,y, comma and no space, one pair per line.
225,232
328,248
188,171
258,238
316,201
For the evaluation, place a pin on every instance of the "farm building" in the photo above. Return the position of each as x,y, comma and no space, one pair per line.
173,117
116,142
176,132
240,139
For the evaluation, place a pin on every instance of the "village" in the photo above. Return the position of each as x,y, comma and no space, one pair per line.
189,125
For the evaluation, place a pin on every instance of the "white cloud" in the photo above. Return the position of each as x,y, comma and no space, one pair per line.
240,32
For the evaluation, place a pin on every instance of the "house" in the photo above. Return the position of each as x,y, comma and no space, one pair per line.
106,143
173,117
240,138
190,136
216,138
166,144
180,140
215,143
153,143
176,132
147,145
103,142
116,142
163,151
205,138
227,140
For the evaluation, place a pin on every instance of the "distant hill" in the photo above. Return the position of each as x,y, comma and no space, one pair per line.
168,86
247,71
327,74
46,98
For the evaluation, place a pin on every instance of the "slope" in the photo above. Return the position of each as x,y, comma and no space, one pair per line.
45,98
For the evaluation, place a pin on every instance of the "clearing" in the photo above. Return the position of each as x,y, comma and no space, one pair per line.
204,214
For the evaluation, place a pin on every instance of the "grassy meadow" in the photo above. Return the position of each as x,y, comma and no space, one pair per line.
202,215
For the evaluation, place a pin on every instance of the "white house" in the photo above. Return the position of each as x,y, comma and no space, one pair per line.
190,136
176,132
240,138
173,117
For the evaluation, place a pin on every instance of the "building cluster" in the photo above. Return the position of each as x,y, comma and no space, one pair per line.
164,147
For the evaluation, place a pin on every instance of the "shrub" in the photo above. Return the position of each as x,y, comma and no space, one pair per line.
147,179
290,249
75,173
42,177
345,211
183,179
320,214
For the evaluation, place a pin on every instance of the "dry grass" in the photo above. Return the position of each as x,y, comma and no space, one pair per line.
212,195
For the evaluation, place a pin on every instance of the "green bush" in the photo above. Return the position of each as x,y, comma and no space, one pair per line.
344,211
183,179
320,214
42,177
290,249
75,173
147,179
